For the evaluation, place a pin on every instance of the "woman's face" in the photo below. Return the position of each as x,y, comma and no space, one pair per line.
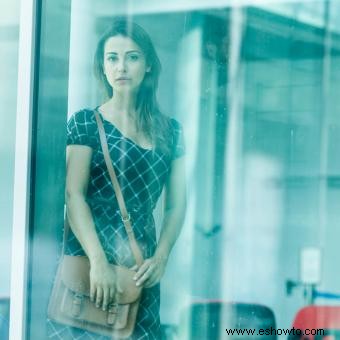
124,64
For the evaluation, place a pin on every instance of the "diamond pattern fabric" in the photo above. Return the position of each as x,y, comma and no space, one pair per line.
141,174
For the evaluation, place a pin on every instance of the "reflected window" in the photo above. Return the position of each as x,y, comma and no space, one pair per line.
250,95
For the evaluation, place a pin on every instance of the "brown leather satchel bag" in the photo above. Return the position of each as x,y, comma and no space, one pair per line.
70,302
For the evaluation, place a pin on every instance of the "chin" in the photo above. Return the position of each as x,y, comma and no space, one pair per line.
125,89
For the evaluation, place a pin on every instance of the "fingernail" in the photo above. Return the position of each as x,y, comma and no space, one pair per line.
135,278
137,284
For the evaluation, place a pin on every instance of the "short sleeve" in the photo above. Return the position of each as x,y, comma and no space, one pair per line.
178,138
81,129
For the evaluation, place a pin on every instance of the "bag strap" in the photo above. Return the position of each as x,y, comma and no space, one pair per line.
121,203
126,218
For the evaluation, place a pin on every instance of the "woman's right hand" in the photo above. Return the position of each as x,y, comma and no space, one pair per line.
103,284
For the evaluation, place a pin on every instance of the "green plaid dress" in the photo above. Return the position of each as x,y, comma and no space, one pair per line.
141,173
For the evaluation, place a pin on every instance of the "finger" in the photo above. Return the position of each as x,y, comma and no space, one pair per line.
144,277
152,277
112,294
99,296
151,281
134,268
119,288
106,295
143,268
92,292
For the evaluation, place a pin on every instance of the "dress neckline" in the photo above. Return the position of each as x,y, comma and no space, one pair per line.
120,133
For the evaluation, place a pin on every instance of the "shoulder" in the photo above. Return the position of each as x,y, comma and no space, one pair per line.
178,144
82,128
83,116
83,121
173,124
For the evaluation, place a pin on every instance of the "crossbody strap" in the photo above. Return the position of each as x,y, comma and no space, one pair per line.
119,195
120,199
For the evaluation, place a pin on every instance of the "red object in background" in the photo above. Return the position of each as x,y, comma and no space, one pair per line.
316,317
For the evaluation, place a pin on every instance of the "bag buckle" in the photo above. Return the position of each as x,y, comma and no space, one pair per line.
112,313
76,304
126,218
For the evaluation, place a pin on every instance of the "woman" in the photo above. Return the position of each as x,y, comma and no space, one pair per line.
146,149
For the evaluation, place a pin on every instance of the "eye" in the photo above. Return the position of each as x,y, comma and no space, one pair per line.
133,57
111,58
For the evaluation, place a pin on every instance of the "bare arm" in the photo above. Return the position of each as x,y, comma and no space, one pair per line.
174,209
78,211
102,278
174,212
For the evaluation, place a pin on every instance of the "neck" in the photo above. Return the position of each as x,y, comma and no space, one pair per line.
124,104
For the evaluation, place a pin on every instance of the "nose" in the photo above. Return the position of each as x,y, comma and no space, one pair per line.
121,65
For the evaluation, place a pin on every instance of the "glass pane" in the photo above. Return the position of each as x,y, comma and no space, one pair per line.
9,36
251,91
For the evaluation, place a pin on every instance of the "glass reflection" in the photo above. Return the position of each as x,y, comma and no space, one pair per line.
255,89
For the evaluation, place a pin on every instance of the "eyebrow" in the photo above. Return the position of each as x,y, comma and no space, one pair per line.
132,51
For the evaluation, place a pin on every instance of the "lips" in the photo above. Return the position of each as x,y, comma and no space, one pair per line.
122,78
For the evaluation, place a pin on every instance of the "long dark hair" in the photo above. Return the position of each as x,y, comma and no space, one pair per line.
150,120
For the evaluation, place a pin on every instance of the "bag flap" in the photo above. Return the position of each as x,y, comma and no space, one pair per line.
125,280
75,276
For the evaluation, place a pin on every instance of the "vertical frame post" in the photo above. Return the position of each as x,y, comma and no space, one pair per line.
21,201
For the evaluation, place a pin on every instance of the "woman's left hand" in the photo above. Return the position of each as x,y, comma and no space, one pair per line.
150,272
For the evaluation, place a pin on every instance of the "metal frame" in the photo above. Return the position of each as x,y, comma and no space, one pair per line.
21,202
